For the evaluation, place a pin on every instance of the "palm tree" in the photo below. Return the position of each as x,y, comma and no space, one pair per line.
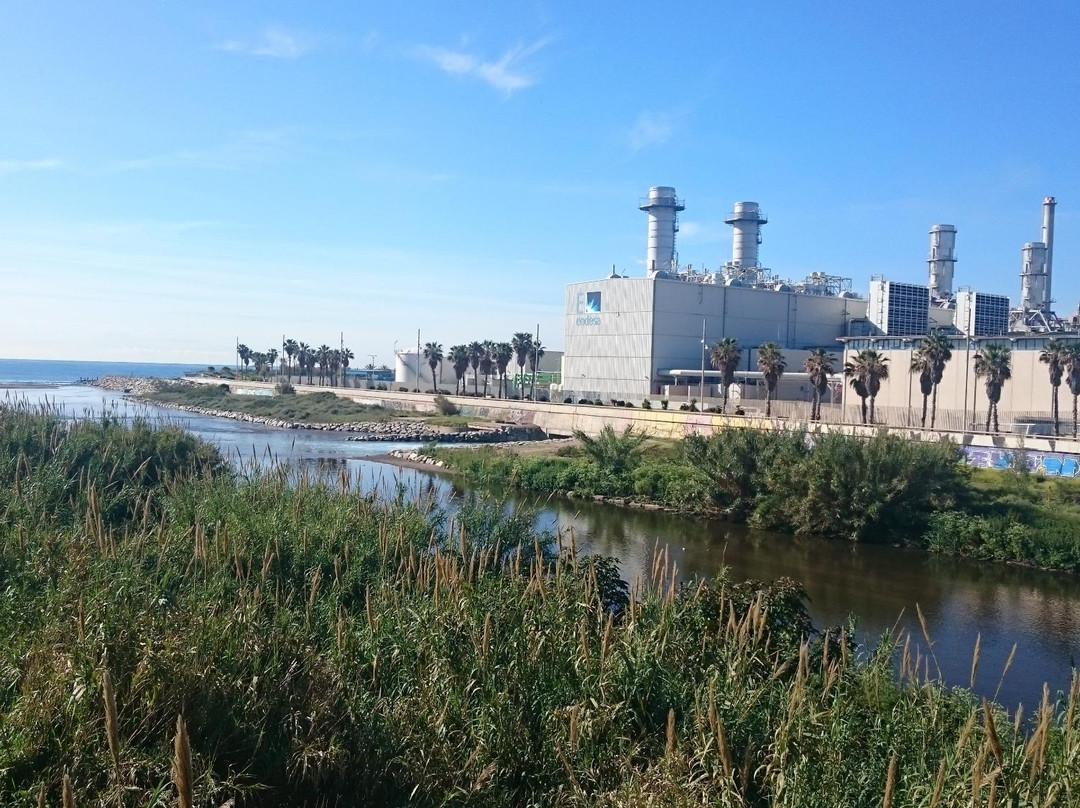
486,362
291,349
522,344
459,361
867,370
333,363
724,356
322,356
476,353
922,364
938,350
1072,377
433,353
535,355
1055,355
303,356
244,352
770,362
346,357
271,358
259,359
995,363
504,352
819,367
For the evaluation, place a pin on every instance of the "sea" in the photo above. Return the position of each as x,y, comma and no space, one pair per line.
63,371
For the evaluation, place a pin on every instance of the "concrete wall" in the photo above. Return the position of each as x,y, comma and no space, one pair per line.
1025,396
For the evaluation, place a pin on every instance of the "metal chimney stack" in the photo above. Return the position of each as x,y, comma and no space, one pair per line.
1049,204
942,260
746,220
662,206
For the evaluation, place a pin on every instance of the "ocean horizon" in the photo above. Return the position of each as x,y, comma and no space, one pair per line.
65,371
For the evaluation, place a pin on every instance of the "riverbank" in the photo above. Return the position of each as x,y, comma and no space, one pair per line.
882,489
326,412
390,651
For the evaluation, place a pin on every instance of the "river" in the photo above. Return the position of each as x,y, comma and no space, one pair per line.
1037,611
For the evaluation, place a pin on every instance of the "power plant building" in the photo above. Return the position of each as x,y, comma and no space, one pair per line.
899,308
629,338
979,314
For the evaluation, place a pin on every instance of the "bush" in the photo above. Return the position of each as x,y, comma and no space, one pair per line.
284,389
445,406
568,400
403,389
646,404
663,403
583,401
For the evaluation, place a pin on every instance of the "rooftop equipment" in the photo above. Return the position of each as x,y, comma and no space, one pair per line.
746,219
663,208
942,260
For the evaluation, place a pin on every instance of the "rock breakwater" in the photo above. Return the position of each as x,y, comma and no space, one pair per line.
133,385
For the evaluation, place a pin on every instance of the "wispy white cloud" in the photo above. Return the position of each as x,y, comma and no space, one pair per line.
243,148
652,129
508,74
274,41
16,166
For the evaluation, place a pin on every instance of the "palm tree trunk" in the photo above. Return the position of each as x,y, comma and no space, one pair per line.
997,428
723,406
1057,431
862,408
1074,416
872,399
989,414
924,401
768,402
933,409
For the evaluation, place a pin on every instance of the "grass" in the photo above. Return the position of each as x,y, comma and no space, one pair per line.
280,643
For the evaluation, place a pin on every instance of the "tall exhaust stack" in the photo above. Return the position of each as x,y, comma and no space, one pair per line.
662,206
1049,203
942,260
746,220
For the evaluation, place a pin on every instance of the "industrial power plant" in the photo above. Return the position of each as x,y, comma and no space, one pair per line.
637,338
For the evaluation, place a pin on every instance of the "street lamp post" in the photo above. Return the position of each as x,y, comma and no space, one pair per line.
701,386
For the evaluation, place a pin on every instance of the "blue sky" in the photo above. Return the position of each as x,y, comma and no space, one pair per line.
176,175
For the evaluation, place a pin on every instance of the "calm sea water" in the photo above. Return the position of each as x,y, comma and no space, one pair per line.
61,371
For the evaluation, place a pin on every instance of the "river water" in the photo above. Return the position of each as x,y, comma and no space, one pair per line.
1037,611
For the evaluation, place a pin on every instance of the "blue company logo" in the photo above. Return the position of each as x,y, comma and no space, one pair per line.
587,304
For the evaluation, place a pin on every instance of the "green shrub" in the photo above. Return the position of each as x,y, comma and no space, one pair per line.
284,389
445,406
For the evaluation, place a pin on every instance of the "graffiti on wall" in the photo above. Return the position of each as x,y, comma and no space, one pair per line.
1052,464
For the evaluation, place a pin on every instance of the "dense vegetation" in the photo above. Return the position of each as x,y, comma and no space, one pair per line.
883,488
325,647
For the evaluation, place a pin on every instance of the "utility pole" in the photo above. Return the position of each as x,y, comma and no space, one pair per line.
418,360
536,360
701,387
371,371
